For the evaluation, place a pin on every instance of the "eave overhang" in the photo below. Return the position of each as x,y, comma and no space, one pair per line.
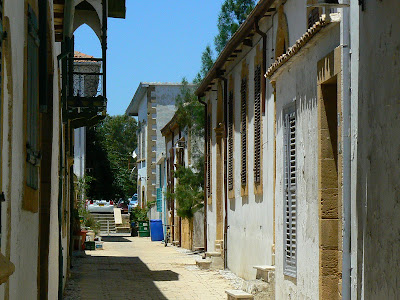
117,9
304,41
263,8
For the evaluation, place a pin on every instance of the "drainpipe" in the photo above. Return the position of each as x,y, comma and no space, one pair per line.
171,170
205,170
60,250
264,62
346,139
225,171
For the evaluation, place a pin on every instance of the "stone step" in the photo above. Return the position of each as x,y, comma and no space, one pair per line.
203,264
264,272
213,254
238,294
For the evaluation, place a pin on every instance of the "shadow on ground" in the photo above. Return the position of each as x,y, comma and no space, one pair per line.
115,239
111,277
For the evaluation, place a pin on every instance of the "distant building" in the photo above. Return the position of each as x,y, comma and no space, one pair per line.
154,106
181,149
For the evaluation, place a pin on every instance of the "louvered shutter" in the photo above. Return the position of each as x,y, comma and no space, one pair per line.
243,113
32,143
159,199
290,213
230,142
257,124
209,156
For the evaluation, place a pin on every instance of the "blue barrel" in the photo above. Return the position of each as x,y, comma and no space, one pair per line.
156,230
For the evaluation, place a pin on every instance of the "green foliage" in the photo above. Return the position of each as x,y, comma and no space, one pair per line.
189,189
139,214
110,145
89,222
189,111
233,13
207,61
83,186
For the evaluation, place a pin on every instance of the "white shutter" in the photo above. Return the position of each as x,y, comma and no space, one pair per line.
290,209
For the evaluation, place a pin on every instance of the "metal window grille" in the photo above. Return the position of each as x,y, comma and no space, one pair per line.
230,142
32,143
257,124
290,205
313,17
159,199
243,113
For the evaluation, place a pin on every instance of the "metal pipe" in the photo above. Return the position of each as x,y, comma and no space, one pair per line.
205,169
264,62
346,138
104,47
225,171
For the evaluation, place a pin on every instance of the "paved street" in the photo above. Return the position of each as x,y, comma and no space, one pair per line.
136,268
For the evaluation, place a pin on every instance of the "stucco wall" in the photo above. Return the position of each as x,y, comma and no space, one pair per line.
298,83
378,169
250,218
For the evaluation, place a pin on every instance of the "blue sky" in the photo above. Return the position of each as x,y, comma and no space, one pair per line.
160,40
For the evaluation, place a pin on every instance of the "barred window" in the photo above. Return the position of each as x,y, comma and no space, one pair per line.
290,205
243,130
257,124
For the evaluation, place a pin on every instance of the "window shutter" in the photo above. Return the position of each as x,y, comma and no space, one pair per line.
290,194
243,112
257,124
209,156
230,142
159,199
32,143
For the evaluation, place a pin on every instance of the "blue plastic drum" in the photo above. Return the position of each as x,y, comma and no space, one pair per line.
156,230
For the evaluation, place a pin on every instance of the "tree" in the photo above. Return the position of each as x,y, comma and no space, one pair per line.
207,61
114,140
233,14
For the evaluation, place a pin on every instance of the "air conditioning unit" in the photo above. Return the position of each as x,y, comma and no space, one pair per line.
180,144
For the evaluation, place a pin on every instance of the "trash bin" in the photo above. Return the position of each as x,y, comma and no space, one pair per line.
134,229
144,230
156,230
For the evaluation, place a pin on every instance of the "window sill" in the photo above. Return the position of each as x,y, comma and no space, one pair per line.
7,268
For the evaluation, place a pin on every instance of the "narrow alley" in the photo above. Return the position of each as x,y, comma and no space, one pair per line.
136,268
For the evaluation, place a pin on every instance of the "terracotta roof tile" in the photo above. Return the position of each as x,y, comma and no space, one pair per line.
300,43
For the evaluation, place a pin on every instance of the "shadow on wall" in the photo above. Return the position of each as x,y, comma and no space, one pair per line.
111,277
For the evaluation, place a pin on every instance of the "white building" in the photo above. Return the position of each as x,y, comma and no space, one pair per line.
36,141
325,213
154,105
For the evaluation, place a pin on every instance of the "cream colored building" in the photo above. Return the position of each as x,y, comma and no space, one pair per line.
38,114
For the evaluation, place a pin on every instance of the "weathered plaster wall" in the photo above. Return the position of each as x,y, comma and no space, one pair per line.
250,218
298,83
211,208
142,166
378,169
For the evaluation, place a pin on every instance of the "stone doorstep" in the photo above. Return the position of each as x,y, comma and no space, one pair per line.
263,272
238,294
203,264
213,254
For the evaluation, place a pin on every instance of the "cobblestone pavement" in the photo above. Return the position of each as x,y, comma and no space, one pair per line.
136,268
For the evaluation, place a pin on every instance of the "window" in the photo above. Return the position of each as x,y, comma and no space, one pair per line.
32,141
257,124
243,131
290,209
230,142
